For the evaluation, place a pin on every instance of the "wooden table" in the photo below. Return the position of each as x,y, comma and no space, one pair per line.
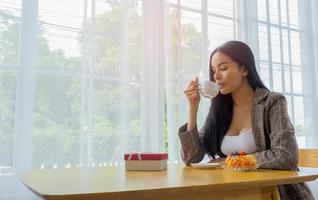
177,182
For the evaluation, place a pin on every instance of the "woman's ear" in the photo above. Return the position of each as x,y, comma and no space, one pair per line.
245,72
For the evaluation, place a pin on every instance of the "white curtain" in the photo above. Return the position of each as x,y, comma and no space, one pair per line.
193,30
86,85
83,82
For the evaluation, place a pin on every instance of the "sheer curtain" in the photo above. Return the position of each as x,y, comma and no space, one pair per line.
83,82
81,86
194,29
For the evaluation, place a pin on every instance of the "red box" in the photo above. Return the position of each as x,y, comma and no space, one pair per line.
145,161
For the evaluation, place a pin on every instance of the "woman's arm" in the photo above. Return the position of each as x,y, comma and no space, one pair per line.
190,137
283,152
191,144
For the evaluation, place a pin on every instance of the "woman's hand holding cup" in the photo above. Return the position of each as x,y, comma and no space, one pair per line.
193,95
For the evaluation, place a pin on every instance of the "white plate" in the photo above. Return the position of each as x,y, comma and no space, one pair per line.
240,169
205,165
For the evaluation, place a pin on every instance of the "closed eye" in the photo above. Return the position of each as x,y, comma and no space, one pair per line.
224,68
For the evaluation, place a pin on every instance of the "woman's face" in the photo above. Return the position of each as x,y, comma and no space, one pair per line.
227,73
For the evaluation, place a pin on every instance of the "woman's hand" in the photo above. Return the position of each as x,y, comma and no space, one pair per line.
218,160
193,95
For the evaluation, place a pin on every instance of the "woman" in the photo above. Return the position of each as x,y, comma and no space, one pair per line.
245,116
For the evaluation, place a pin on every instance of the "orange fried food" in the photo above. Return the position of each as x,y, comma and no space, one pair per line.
240,160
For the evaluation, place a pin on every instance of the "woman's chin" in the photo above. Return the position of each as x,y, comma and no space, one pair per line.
223,91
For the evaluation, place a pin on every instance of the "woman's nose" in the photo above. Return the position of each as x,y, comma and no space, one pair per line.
217,75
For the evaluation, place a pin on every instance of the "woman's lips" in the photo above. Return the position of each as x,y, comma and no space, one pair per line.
220,84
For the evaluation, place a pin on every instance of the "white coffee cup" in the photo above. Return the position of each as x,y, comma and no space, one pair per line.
209,89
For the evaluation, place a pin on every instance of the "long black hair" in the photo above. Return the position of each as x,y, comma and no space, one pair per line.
221,110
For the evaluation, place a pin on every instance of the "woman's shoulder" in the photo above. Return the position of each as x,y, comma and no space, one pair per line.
268,97
274,96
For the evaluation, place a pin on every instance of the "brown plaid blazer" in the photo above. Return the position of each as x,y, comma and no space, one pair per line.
274,138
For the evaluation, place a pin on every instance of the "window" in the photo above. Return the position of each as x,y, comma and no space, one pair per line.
83,82
9,44
281,62
88,84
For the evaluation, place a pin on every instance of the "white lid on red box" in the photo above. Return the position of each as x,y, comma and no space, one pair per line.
146,156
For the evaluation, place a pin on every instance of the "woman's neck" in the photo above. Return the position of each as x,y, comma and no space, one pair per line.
243,95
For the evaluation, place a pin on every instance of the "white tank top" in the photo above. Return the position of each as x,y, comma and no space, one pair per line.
242,142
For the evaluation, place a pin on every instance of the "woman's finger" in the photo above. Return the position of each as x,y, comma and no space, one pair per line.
193,86
194,80
195,89
193,95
